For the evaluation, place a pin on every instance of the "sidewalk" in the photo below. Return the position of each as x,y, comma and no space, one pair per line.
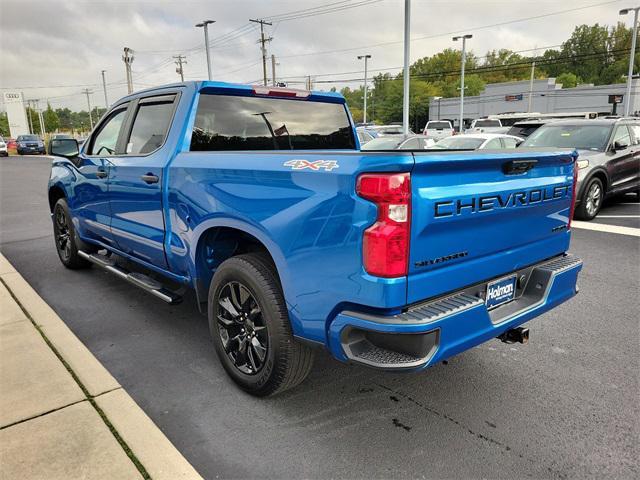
62,414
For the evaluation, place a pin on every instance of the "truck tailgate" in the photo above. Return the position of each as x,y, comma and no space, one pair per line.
476,216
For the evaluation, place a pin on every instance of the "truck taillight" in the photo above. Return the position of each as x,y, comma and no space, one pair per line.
574,193
385,245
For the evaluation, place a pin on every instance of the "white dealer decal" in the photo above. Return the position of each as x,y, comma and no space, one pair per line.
500,291
326,165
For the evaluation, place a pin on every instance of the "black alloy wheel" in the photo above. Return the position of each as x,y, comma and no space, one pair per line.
242,329
62,233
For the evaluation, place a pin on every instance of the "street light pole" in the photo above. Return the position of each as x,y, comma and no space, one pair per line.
366,58
438,99
464,58
627,101
406,77
205,24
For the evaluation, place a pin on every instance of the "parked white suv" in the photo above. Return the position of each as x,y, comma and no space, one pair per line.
438,129
3,148
487,125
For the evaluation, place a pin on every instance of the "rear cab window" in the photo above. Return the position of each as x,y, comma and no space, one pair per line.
150,125
438,125
231,123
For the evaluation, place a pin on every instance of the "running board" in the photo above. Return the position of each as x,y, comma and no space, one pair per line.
140,280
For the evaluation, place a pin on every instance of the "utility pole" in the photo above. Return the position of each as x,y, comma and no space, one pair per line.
627,101
366,58
128,60
533,69
29,115
104,89
406,77
263,47
87,92
464,39
205,25
43,130
309,83
180,60
273,70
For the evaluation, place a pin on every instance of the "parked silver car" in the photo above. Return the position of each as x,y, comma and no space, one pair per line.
478,141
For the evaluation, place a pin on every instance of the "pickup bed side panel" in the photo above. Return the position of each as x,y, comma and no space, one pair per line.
309,219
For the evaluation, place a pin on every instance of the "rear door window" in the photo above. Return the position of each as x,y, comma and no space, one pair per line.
225,122
150,125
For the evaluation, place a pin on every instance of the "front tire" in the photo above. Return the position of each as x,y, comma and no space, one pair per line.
591,200
66,238
249,324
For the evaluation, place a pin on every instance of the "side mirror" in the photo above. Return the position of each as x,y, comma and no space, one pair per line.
64,147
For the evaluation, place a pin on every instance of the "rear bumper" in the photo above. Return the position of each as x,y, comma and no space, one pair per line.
438,329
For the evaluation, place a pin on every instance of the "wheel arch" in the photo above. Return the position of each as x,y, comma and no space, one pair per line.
56,192
599,173
216,242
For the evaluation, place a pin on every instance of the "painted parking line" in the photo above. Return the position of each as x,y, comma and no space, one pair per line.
601,227
618,216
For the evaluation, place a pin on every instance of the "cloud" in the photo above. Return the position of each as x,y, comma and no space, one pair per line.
53,44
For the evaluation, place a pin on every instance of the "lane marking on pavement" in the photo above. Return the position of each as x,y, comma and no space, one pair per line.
601,227
618,216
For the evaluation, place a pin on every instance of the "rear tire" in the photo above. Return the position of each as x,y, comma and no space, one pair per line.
591,200
250,327
67,241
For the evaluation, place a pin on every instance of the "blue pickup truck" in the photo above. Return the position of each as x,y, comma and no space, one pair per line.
260,200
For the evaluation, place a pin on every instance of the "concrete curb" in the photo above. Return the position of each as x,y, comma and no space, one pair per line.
147,442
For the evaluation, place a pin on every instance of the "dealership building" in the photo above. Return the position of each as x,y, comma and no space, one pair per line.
547,96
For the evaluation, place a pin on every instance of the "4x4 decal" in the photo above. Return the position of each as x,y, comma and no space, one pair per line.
326,165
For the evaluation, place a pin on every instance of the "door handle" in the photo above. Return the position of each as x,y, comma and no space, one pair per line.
150,178
101,174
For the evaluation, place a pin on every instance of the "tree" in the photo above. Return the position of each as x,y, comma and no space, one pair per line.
497,63
588,49
4,125
568,80
51,122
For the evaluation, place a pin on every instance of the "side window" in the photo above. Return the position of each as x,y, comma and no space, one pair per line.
509,142
411,144
150,126
635,129
493,144
105,140
622,135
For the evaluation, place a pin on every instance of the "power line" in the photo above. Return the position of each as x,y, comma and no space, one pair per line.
428,37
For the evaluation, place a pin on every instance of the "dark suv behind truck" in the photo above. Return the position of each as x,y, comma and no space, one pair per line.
609,157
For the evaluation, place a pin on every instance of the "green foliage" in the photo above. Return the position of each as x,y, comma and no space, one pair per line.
595,54
4,125
51,122
568,80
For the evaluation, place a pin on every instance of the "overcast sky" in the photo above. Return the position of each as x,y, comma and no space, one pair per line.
53,49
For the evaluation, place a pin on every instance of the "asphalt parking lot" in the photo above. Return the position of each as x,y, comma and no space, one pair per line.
563,406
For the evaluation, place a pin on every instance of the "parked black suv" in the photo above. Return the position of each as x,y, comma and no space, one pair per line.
609,157
29,144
